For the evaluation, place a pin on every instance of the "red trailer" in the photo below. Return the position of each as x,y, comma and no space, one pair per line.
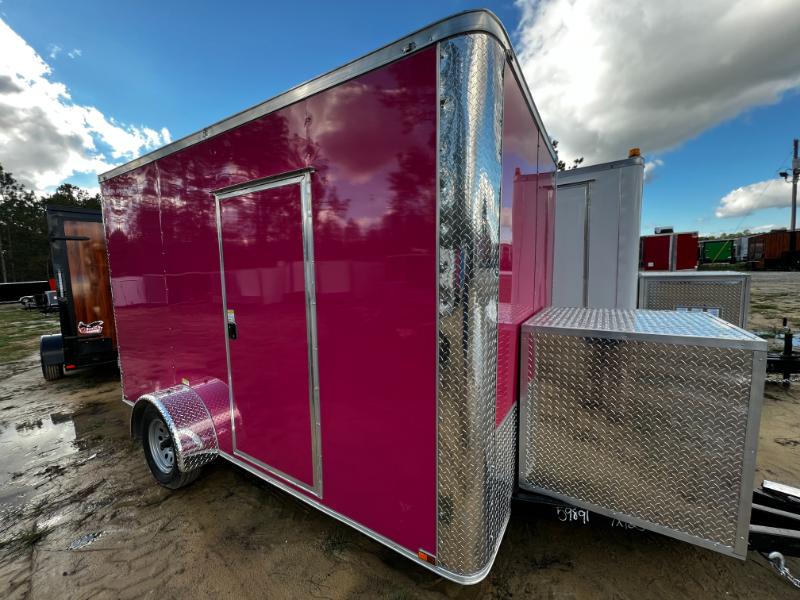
312,290
656,252
669,251
686,247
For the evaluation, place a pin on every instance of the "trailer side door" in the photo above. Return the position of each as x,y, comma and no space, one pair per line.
269,320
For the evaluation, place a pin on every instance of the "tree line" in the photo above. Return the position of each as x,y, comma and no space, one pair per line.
24,247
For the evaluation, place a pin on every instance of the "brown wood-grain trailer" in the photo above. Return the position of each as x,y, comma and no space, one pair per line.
83,286
771,250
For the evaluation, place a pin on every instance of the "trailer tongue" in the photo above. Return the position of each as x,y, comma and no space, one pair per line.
339,278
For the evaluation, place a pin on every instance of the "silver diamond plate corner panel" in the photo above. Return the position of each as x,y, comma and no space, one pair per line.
651,432
190,424
728,296
473,485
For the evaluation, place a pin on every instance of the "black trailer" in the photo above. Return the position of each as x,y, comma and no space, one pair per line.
83,285
15,291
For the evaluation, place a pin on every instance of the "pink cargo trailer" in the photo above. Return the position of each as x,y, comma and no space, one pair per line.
322,273
329,290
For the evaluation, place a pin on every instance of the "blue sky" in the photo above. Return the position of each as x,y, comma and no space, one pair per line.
183,65
752,147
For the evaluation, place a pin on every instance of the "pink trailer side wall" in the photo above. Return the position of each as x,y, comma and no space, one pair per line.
371,144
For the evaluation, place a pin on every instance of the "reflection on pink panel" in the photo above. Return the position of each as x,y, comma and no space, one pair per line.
372,145
506,279
546,197
131,217
262,242
526,226
508,328
215,396
375,210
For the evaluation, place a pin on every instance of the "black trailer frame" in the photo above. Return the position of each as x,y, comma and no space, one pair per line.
774,521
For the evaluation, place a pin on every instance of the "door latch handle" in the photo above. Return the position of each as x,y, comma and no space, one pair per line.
232,332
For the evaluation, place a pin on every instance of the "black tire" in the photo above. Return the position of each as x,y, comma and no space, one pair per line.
52,372
164,472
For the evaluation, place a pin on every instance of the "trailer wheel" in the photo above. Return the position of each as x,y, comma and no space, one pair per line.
51,356
159,450
52,372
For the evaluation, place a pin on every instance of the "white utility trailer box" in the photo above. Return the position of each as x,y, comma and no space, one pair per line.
596,253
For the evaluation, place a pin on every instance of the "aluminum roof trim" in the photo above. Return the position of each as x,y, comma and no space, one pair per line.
570,174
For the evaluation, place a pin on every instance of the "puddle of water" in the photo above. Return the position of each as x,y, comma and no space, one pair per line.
28,447
85,540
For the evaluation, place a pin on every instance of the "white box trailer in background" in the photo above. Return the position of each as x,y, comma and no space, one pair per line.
596,253
740,247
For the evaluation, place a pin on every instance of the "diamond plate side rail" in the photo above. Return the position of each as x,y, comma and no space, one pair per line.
189,422
658,433
473,485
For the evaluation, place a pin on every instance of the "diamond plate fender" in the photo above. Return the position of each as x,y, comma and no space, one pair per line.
189,422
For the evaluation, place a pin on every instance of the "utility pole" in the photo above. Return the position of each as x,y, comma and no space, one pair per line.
794,258
793,231
795,177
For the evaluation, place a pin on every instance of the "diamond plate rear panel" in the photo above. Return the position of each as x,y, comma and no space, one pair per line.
474,458
728,294
657,431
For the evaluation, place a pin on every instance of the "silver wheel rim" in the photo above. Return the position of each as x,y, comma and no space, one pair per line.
158,436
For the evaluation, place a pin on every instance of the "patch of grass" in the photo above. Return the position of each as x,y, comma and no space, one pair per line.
20,330
763,306
722,267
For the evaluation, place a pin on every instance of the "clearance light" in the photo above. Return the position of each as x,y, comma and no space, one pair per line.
426,557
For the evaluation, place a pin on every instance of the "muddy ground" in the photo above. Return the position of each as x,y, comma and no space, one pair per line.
81,517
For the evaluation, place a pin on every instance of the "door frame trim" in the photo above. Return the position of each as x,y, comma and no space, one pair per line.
303,179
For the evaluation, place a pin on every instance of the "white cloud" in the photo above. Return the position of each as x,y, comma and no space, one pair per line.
773,193
54,50
763,228
650,166
45,137
607,76
75,53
